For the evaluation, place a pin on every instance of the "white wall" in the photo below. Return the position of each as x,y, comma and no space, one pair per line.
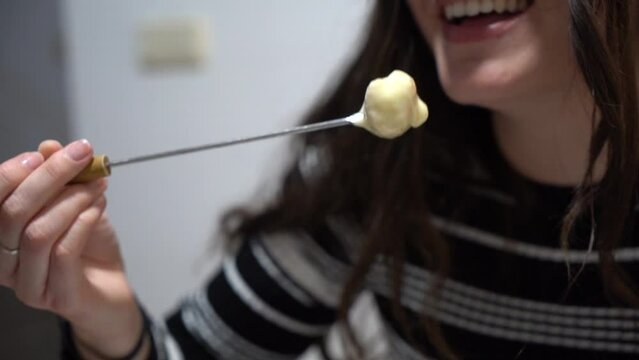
271,60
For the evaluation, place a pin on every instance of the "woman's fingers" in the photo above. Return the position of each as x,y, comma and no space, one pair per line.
42,232
39,188
12,173
49,147
66,270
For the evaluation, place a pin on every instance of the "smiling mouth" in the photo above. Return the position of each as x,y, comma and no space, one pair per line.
459,12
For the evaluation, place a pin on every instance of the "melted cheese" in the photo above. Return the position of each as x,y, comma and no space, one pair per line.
391,106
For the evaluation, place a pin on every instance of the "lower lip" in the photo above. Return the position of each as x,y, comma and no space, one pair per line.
480,28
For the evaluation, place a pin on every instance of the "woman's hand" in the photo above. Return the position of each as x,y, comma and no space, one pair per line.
58,251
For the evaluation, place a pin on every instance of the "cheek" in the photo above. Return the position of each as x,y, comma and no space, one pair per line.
518,70
473,84
425,13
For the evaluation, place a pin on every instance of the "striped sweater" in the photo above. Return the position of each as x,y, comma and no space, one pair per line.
276,295
509,296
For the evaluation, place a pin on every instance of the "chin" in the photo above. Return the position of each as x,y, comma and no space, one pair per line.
488,93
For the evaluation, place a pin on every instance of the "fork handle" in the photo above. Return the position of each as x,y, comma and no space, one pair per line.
98,168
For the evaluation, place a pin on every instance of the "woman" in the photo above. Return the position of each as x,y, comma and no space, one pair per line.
502,229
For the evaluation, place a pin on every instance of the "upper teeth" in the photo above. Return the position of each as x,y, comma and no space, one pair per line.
465,8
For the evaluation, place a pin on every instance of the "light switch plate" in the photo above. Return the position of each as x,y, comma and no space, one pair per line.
173,43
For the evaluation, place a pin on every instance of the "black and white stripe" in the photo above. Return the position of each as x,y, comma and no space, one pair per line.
296,254
252,300
504,244
496,315
277,294
508,317
166,348
275,272
259,306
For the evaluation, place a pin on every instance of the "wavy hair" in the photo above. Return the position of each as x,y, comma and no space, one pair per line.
379,184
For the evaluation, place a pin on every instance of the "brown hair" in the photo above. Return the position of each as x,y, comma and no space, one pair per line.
379,184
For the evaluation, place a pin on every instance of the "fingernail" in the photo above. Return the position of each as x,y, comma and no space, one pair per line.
79,150
31,160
